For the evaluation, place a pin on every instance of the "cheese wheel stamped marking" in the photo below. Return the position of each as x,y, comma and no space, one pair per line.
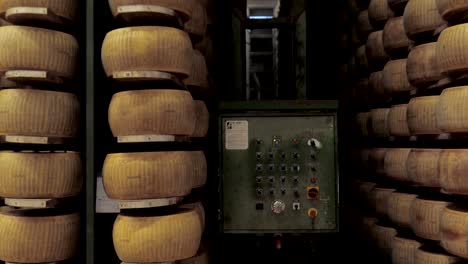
31,203
30,75
151,138
149,203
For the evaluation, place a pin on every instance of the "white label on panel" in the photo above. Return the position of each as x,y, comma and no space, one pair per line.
236,134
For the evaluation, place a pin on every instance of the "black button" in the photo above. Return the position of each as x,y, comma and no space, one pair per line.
259,206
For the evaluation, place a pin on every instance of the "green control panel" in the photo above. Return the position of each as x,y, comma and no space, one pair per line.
279,171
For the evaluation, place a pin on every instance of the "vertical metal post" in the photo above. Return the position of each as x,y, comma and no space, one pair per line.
90,172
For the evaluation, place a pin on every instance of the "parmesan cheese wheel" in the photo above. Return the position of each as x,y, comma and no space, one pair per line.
376,85
423,256
365,192
379,13
25,112
361,60
381,197
395,78
199,73
395,163
425,217
31,48
161,238
200,258
399,205
196,26
362,120
198,207
423,167
454,230
147,48
183,7
453,10
40,175
454,171
379,119
38,236
422,118
203,119
375,49
384,237
363,25
452,116
200,171
397,123
395,41
422,67
421,17
152,112
397,6
404,250
148,175
376,160
451,52
66,9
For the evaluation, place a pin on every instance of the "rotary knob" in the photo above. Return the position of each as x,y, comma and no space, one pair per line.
277,207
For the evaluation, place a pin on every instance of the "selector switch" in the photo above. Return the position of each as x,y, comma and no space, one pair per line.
283,191
296,192
296,155
259,179
271,155
296,167
271,167
283,167
271,179
259,155
272,191
283,179
259,192
283,155
296,179
259,167
296,206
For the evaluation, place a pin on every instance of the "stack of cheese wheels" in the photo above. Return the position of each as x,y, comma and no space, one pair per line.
398,6
381,196
379,121
148,175
454,170
397,122
404,250
425,255
363,25
377,87
395,41
425,217
152,112
147,48
451,114
422,115
25,112
454,230
384,236
423,167
198,79
422,19
157,238
182,8
40,175
422,66
37,49
451,53
453,11
375,50
395,78
399,206
362,121
196,26
377,160
32,10
395,163
379,13
38,235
